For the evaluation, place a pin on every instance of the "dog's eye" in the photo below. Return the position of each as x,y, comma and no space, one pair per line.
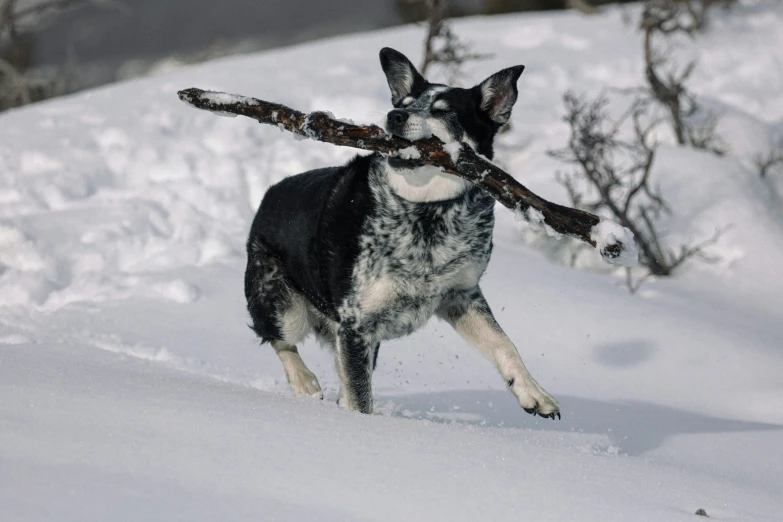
440,106
407,101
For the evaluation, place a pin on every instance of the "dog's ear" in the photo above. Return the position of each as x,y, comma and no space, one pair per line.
498,93
400,73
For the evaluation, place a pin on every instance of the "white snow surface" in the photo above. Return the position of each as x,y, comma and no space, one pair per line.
132,389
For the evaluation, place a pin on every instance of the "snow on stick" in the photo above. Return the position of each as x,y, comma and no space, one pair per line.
614,242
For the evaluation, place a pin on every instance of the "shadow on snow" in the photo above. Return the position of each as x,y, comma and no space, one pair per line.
635,427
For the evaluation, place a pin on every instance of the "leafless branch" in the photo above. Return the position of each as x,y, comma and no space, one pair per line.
464,162
633,284
660,20
613,176
53,7
20,83
13,87
7,17
441,46
769,161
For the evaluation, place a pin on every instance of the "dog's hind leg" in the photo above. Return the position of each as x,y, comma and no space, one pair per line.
301,379
470,315
280,316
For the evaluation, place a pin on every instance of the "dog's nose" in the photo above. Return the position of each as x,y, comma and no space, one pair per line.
396,119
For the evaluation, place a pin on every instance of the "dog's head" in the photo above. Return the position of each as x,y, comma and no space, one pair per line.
423,109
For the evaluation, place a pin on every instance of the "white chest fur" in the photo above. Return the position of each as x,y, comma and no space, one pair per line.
425,183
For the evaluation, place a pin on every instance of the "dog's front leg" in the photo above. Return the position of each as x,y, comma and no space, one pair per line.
355,359
468,312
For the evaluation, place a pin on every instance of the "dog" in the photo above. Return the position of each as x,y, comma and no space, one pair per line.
370,251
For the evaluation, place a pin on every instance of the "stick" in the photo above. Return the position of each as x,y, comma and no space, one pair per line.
615,243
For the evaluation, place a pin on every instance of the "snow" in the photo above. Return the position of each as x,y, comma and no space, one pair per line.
221,98
409,153
453,148
131,388
226,98
607,233
343,120
224,114
306,131
533,218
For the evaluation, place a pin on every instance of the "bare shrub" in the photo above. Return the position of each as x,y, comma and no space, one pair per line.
612,176
20,81
767,162
441,46
660,20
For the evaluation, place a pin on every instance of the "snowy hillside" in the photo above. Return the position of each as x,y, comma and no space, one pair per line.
131,388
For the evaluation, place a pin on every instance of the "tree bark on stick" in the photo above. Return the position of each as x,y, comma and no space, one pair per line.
615,243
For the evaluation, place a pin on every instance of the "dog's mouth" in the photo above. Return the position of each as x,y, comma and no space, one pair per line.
394,161
395,134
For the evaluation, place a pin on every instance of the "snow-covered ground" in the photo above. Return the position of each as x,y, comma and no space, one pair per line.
131,388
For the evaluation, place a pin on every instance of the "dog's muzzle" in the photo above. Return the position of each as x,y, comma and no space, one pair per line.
395,122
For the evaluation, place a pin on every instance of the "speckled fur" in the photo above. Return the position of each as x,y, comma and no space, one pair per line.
369,251
427,250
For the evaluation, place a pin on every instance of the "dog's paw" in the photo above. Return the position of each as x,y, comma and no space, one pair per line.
304,382
534,399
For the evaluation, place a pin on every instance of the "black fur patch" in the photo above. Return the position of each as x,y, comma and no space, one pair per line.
310,223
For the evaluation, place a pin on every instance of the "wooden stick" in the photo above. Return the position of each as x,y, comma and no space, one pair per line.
615,243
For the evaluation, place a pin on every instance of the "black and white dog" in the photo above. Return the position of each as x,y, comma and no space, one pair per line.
370,251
